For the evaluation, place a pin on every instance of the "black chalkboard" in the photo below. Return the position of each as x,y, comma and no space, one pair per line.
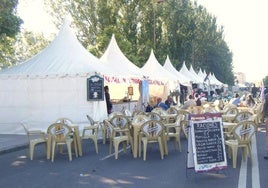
207,142
95,88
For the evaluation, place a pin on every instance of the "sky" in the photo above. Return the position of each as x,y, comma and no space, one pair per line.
244,22
35,17
246,33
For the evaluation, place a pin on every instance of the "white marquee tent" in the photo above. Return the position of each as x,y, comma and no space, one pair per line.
185,72
202,74
113,57
182,79
50,85
197,77
155,71
159,75
214,80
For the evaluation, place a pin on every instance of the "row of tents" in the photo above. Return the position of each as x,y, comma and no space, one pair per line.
53,83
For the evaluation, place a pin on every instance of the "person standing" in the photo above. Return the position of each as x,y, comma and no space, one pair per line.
108,100
197,99
254,91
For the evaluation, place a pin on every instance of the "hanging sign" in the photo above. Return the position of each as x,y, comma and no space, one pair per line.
95,88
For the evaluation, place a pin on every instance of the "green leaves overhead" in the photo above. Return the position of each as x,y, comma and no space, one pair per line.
9,27
181,29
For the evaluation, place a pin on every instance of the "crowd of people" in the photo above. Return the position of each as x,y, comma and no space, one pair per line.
196,98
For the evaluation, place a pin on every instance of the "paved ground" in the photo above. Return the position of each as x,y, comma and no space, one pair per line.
102,170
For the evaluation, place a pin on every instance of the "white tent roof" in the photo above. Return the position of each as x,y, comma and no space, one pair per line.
182,79
214,80
64,55
156,71
198,78
185,72
113,57
201,74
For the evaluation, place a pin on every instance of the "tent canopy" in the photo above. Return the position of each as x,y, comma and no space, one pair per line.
113,57
63,56
155,71
182,79
196,76
50,85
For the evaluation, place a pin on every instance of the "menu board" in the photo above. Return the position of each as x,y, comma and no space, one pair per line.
95,88
207,143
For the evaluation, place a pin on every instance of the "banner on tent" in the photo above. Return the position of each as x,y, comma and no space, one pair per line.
95,88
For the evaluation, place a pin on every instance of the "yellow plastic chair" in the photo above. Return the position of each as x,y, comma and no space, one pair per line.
91,132
154,116
160,111
119,131
152,132
243,116
64,120
105,134
173,130
34,137
138,112
210,109
242,133
126,112
77,142
172,110
61,134
184,122
195,109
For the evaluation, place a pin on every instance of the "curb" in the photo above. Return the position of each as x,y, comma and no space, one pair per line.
12,149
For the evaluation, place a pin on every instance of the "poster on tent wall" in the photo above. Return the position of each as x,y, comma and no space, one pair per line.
95,88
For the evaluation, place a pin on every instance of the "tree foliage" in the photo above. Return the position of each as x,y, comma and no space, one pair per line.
9,22
9,27
28,44
181,29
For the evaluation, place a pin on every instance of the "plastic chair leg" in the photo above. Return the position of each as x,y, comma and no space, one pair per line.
96,145
69,147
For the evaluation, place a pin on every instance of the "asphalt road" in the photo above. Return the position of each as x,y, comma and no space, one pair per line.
102,170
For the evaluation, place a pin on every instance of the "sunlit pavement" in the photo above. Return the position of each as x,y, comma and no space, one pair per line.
102,170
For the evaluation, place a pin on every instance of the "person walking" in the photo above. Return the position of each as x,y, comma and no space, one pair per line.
108,100
265,117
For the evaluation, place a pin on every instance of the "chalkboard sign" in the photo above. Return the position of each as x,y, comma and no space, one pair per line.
207,143
95,88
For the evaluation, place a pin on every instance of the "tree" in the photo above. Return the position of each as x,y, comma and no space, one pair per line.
9,28
28,44
179,28
9,22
